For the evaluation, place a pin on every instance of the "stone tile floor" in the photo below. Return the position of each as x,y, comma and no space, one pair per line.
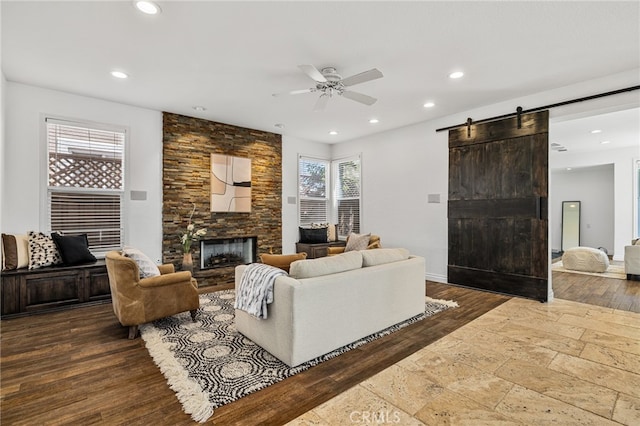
523,363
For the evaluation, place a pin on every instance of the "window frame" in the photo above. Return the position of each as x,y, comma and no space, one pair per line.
335,166
46,190
327,183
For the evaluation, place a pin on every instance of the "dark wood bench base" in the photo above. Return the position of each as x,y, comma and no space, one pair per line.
27,292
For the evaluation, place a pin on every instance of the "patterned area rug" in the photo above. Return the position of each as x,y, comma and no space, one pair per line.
209,364
613,271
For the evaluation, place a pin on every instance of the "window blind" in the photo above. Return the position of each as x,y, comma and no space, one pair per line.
312,191
348,195
86,182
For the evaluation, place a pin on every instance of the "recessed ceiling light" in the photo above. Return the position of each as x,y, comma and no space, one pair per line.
569,168
279,125
119,74
333,133
148,7
456,74
374,121
199,108
596,131
605,142
429,105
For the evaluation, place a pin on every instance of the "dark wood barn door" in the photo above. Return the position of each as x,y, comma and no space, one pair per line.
497,211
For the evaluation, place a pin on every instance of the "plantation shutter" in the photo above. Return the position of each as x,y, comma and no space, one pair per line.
348,195
86,182
312,193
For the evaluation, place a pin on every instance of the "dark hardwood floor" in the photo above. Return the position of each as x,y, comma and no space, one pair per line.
78,367
593,290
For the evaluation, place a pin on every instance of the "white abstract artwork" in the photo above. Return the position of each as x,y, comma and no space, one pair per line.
230,184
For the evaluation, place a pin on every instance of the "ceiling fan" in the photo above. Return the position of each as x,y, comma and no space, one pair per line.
329,83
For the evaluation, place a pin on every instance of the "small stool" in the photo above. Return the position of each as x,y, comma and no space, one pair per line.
585,259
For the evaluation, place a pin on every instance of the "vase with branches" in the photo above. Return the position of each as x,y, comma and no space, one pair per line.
187,238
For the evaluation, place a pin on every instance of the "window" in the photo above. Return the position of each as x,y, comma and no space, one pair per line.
85,187
347,195
313,191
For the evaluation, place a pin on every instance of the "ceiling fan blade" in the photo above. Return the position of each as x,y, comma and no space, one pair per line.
313,72
321,103
359,97
372,74
296,92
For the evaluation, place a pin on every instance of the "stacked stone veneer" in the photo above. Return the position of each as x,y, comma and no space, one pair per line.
187,147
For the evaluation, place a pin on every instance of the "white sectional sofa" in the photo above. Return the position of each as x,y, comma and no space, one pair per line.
329,302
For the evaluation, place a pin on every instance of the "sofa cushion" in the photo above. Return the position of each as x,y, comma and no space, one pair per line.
326,265
42,251
282,261
383,255
357,242
145,265
74,249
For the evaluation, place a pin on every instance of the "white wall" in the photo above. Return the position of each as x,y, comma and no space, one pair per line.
594,188
24,148
291,148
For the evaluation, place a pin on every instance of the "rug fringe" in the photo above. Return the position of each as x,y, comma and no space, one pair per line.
449,303
194,401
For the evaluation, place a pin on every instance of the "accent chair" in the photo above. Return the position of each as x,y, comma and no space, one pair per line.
138,300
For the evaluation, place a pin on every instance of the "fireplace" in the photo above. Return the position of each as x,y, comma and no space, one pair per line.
227,252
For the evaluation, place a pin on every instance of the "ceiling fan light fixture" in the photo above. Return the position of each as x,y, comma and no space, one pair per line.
148,7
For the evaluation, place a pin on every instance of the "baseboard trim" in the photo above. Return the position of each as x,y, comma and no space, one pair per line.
437,278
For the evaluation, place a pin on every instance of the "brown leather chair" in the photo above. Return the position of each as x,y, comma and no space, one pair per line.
138,300
374,242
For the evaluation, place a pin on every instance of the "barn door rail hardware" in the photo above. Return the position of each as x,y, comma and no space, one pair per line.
520,111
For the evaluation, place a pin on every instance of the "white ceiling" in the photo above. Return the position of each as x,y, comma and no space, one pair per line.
230,57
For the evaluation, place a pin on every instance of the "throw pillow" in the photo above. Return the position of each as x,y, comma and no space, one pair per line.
331,230
357,242
9,252
313,236
282,261
42,251
145,265
15,251
74,249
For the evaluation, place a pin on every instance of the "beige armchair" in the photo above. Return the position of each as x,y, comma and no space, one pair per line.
374,242
632,259
141,300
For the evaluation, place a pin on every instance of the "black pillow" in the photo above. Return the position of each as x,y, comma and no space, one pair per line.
313,236
74,249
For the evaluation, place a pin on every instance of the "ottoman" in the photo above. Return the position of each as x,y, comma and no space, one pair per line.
585,259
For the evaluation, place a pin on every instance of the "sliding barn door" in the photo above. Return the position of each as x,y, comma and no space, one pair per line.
498,206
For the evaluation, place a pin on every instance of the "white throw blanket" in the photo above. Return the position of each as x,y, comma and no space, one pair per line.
256,289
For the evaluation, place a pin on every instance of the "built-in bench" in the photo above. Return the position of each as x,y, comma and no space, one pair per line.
32,291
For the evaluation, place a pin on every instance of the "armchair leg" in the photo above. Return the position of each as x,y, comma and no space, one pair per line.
193,315
133,331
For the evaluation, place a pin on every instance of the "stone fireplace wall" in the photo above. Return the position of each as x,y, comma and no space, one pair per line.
187,147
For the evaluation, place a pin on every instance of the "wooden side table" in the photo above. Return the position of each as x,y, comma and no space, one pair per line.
317,250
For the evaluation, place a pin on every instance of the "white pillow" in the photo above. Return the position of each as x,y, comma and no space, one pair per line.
147,267
357,242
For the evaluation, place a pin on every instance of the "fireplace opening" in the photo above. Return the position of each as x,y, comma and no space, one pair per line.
227,252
